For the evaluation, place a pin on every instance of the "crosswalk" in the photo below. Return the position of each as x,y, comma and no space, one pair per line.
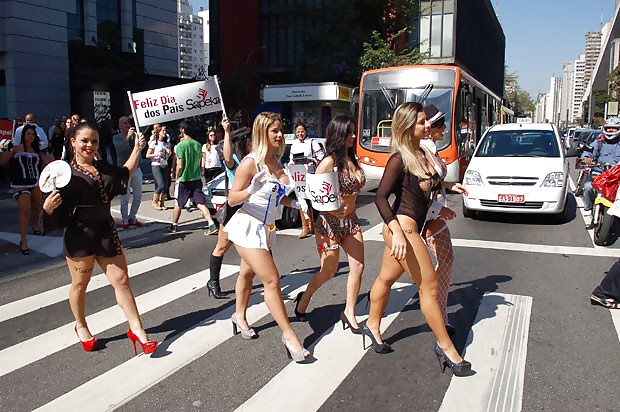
497,345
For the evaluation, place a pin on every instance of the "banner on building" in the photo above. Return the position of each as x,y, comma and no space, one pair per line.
102,105
6,129
323,191
176,102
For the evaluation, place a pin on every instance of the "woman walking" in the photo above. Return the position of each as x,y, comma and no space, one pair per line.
26,161
436,232
90,237
159,152
410,178
340,227
234,150
260,186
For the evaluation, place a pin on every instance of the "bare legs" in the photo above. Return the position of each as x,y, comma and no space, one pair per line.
260,262
418,265
115,268
354,247
24,206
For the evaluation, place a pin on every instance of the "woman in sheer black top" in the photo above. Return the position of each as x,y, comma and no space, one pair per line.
410,178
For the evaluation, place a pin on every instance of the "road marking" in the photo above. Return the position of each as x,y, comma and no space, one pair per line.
48,245
580,206
497,349
615,316
38,347
305,387
140,373
374,234
50,297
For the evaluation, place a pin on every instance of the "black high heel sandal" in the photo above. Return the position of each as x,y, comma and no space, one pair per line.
300,316
458,369
24,251
213,288
346,324
378,347
36,231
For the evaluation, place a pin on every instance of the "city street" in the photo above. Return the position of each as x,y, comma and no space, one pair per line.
519,301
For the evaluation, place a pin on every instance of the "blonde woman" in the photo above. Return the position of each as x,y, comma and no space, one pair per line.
261,185
410,178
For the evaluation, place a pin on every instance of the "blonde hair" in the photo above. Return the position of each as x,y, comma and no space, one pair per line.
260,137
404,120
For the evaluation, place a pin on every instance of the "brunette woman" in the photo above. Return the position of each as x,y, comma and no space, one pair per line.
26,163
410,178
340,227
83,207
260,185
211,158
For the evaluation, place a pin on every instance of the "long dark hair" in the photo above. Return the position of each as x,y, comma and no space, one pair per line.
36,145
336,136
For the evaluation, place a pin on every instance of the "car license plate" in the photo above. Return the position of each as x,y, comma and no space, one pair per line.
511,198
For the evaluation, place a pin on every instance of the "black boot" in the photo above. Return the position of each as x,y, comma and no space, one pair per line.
213,285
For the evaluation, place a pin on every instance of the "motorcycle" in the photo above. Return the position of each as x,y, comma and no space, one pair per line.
584,169
605,212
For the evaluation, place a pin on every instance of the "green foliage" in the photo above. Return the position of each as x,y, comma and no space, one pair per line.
614,82
379,53
516,99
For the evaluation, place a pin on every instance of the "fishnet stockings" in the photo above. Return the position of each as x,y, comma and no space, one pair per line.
441,245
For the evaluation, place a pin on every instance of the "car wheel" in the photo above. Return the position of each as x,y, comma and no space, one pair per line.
471,214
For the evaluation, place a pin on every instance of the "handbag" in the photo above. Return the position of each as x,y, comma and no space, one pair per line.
220,214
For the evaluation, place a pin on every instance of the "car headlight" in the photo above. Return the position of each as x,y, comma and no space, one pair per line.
555,179
473,178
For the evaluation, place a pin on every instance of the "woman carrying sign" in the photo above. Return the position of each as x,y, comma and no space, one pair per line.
260,185
411,178
339,227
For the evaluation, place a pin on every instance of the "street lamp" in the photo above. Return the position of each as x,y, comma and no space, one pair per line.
247,61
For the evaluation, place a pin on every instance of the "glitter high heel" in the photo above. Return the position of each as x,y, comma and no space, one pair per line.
459,369
245,333
298,356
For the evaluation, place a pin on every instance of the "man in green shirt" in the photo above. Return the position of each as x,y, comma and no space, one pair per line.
189,177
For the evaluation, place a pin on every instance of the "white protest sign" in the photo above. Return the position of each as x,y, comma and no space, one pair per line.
176,102
298,174
323,191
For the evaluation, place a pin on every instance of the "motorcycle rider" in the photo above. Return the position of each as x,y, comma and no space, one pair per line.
607,151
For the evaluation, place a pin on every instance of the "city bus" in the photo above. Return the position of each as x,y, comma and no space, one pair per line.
508,116
470,109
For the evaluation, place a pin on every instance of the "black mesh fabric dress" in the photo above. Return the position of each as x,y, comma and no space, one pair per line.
85,211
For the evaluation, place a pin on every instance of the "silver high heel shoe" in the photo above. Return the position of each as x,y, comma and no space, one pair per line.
245,333
298,356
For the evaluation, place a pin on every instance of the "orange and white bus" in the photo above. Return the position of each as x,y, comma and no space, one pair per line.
470,109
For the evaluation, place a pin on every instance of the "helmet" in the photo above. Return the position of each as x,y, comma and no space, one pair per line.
611,128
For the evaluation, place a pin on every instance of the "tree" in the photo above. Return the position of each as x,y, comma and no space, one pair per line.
516,99
382,52
614,82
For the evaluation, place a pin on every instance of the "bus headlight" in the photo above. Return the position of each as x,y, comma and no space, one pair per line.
555,179
368,160
473,178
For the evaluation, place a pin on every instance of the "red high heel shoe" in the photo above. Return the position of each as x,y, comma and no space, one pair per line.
89,345
148,347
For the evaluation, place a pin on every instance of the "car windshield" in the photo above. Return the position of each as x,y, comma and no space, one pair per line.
519,143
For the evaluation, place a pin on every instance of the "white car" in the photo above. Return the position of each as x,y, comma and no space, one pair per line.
518,168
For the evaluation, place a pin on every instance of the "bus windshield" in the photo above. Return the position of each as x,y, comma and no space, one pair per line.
377,109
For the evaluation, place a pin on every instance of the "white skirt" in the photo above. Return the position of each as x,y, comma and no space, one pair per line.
248,232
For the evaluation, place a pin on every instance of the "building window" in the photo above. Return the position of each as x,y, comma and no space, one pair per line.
75,23
437,27
109,24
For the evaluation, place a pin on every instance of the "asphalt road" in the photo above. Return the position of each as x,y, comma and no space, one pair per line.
519,300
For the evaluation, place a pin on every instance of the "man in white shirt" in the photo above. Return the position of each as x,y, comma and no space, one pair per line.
31,119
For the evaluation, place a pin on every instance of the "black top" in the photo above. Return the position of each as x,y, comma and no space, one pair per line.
410,199
85,210
24,169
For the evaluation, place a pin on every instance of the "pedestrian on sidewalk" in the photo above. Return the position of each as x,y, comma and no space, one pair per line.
26,162
340,227
159,152
410,178
234,149
189,177
83,207
260,186
124,145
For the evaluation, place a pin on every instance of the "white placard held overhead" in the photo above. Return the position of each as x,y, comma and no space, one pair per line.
176,102
323,190
298,174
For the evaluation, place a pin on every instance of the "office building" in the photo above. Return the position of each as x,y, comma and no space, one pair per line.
578,88
593,49
568,74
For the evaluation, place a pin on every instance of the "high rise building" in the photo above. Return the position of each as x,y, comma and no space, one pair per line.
552,108
191,41
593,49
579,86
56,56
568,74
204,15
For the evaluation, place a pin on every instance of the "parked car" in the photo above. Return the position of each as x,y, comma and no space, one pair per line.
215,194
518,168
